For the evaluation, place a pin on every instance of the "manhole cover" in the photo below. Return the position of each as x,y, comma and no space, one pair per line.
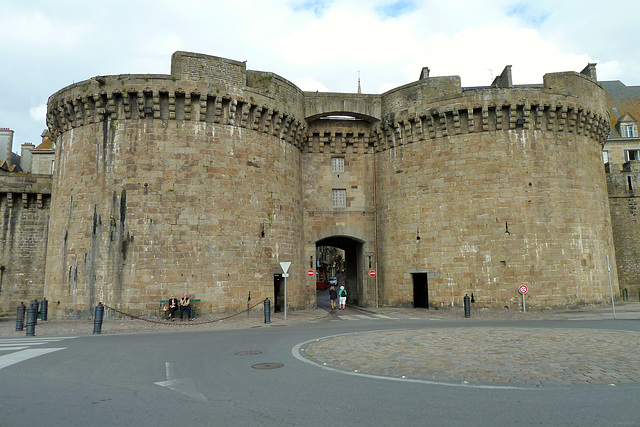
267,366
247,353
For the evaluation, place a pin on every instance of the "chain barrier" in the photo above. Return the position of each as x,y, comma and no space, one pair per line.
170,323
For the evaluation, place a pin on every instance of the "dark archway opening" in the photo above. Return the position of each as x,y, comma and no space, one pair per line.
420,290
278,293
339,262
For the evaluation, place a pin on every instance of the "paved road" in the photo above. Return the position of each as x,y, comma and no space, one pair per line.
352,367
457,372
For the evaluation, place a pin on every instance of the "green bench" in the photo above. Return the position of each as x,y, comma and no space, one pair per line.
163,309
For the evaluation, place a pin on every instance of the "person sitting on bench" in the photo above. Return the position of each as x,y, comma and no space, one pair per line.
185,305
173,307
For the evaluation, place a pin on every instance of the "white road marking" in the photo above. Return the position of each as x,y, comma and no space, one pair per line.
19,356
297,352
13,344
364,317
185,386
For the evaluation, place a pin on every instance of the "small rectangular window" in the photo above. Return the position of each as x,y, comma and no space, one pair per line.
605,156
339,198
337,164
629,131
631,155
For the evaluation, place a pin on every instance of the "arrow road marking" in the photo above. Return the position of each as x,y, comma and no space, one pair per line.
185,386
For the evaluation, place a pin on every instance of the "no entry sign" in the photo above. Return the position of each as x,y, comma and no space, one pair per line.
372,273
310,273
523,289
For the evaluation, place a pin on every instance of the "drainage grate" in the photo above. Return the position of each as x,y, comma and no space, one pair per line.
267,366
247,353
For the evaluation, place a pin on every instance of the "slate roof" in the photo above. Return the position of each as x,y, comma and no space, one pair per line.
621,100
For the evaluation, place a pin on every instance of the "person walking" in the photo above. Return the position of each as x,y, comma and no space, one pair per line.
343,297
333,296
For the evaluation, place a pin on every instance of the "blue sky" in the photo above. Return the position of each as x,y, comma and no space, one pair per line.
319,45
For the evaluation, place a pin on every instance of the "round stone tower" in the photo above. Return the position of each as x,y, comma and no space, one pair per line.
166,184
481,190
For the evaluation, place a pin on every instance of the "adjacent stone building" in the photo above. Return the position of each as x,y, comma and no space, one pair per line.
204,180
622,163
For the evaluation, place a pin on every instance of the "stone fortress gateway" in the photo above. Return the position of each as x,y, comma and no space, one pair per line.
204,180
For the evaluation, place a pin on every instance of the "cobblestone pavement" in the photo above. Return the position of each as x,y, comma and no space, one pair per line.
488,355
475,354
495,356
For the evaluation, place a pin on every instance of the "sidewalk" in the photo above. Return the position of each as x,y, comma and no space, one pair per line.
628,310
127,325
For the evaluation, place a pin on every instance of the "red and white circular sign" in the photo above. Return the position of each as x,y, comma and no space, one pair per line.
523,289
310,273
372,273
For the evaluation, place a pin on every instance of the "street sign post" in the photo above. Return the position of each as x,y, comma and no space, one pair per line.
523,290
285,267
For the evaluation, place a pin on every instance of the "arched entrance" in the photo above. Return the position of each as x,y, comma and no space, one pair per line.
342,258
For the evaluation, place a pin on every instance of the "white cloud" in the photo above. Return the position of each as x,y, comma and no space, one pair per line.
38,113
309,84
318,45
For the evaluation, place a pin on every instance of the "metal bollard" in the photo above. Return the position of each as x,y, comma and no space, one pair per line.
43,309
35,304
467,306
19,325
97,318
32,314
267,311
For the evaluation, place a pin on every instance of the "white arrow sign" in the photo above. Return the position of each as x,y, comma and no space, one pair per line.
285,266
181,385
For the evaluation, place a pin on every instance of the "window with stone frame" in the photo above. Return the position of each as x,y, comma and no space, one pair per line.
339,199
337,164
631,155
605,156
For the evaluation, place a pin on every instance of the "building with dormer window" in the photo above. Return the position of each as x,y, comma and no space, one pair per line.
621,155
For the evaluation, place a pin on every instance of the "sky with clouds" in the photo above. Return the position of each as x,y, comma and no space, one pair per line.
317,44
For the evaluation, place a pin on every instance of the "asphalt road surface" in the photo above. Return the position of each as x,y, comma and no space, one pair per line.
342,371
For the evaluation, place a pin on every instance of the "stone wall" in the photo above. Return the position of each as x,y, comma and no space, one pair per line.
624,185
352,225
24,209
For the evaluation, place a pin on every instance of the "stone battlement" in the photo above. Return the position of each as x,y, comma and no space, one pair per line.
217,90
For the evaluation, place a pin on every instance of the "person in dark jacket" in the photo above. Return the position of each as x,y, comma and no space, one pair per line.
333,296
173,307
